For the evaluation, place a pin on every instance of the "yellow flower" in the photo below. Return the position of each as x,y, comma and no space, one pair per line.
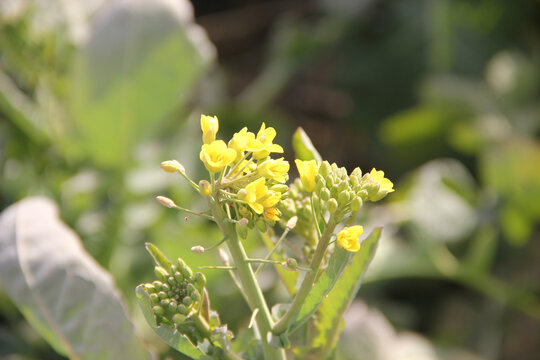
246,166
216,156
385,185
348,238
308,170
257,196
271,214
262,145
240,141
209,127
274,169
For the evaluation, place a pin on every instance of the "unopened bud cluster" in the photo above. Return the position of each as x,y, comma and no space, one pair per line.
176,294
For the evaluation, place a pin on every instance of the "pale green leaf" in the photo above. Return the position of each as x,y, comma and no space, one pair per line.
333,306
303,147
141,62
63,293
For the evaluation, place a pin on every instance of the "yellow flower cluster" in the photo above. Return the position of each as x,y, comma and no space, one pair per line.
247,174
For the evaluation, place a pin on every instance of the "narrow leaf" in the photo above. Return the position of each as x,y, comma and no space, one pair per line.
332,308
158,256
337,263
303,147
63,293
171,336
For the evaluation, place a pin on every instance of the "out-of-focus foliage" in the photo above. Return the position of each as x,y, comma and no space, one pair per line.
444,94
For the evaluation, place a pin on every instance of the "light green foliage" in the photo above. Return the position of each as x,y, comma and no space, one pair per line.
303,147
59,288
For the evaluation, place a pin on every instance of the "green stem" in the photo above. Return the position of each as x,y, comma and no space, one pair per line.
307,284
252,290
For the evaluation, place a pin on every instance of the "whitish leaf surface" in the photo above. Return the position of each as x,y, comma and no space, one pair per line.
141,61
61,290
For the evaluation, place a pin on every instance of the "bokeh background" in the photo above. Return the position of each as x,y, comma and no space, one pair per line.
442,95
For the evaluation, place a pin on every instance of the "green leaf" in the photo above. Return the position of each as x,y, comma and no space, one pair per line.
170,335
140,63
303,147
332,308
158,256
63,293
337,264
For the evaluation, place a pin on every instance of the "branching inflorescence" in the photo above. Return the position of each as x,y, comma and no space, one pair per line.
246,190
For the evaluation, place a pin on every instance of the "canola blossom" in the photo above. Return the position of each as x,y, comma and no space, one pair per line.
209,127
308,170
348,238
385,185
216,156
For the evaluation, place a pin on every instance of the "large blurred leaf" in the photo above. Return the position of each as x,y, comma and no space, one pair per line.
341,263
172,337
142,60
70,300
332,308
303,147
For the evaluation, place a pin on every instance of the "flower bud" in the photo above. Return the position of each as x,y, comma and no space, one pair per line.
150,288
187,301
157,284
343,185
165,287
290,264
173,305
292,222
357,172
356,203
158,310
182,309
154,298
343,197
197,249
195,296
161,273
325,194
280,188
325,169
172,166
165,201
162,295
199,280
243,222
205,188
332,205
178,276
178,319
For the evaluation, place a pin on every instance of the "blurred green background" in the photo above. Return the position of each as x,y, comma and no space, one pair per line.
444,96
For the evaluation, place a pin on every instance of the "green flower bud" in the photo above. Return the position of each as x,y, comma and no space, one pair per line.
182,309
319,183
158,310
154,299
354,180
171,280
343,197
190,288
173,305
371,187
161,273
178,276
343,185
357,172
356,203
150,288
325,169
291,264
325,194
280,188
164,303
332,205
165,287
363,194
187,301
196,296
178,319
162,295
335,168
199,280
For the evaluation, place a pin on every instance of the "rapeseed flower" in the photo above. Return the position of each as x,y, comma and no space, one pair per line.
262,145
216,156
385,185
308,170
257,196
348,238
240,141
274,169
209,127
